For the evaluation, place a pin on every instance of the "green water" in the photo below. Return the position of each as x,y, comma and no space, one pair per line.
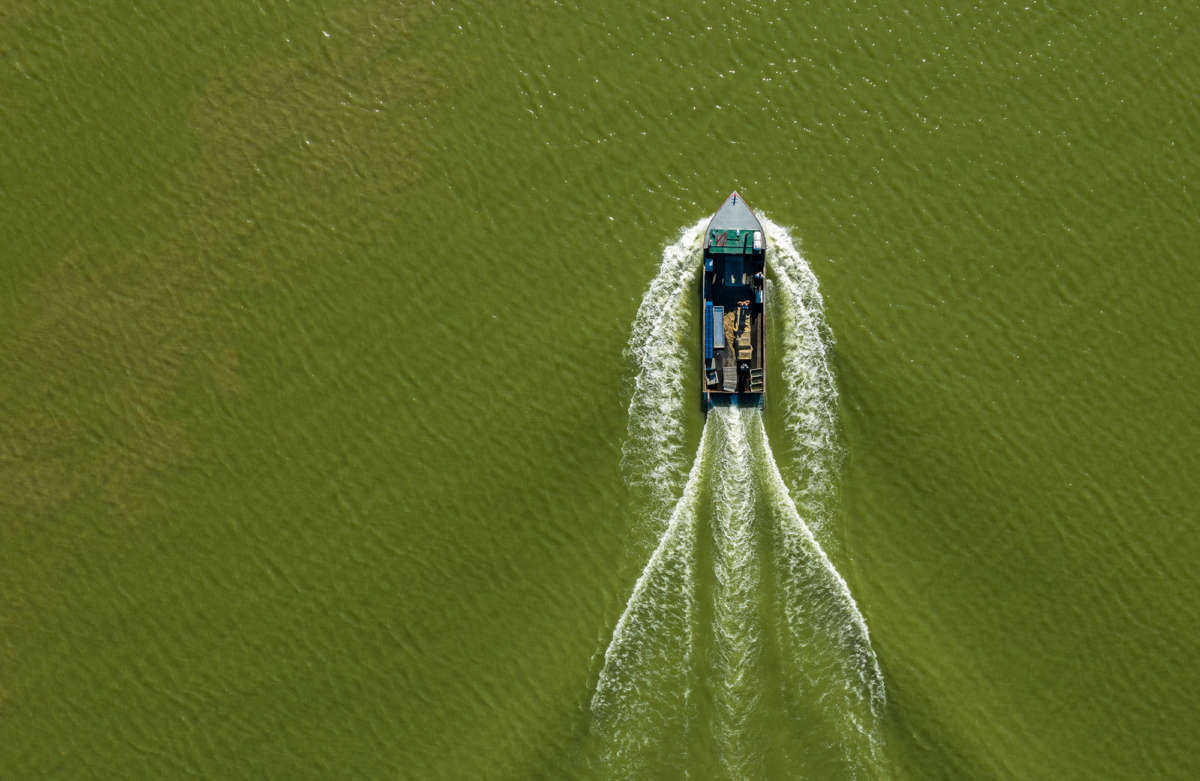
315,391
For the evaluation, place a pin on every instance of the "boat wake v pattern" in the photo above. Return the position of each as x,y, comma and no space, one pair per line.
741,647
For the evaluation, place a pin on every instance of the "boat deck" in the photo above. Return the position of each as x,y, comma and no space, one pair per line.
736,334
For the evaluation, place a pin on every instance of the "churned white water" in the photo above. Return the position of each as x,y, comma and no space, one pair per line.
653,450
809,396
736,630
647,674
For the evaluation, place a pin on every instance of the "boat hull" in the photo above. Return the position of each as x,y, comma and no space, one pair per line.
732,308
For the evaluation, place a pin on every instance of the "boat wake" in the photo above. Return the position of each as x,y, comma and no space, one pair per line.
741,647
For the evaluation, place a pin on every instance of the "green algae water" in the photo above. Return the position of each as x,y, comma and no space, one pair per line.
334,441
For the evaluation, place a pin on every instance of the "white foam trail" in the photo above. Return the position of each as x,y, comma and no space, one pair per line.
653,455
645,680
820,612
810,395
736,630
